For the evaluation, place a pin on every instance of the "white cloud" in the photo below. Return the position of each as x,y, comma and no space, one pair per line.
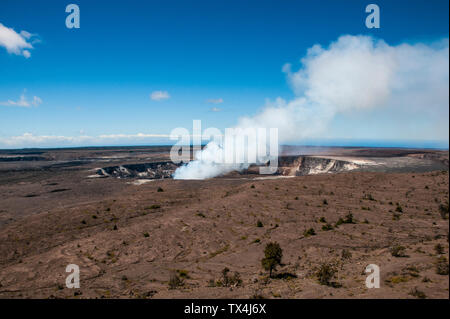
215,101
31,140
23,101
16,43
215,109
159,95
36,100
25,34
132,136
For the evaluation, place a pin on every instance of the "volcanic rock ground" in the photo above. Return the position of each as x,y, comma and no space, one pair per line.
128,238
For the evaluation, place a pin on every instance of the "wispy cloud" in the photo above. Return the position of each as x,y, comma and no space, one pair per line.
215,101
17,43
132,136
159,95
215,109
31,140
23,101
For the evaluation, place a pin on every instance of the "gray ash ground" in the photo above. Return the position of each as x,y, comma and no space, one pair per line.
129,239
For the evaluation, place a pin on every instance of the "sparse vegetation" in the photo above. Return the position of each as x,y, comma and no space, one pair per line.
442,266
183,273
349,219
397,279
229,280
346,254
205,233
340,221
443,210
159,190
398,251
175,281
220,251
326,273
439,249
309,232
272,257
257,295
417,293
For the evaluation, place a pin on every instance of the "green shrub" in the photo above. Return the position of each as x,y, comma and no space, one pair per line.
229,280
417,293
309,232
183,273
443,210
442,266
349,219
398,251
339,222
439,249
326,273
346,254
175,281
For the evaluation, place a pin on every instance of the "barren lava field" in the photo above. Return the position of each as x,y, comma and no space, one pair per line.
130,238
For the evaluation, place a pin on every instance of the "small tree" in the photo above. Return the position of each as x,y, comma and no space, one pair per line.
272,257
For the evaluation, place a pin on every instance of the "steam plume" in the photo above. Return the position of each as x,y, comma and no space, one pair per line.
352,74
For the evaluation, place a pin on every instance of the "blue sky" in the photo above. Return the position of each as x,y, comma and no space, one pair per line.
98,79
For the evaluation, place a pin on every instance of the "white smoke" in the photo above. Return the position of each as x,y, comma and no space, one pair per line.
354,73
